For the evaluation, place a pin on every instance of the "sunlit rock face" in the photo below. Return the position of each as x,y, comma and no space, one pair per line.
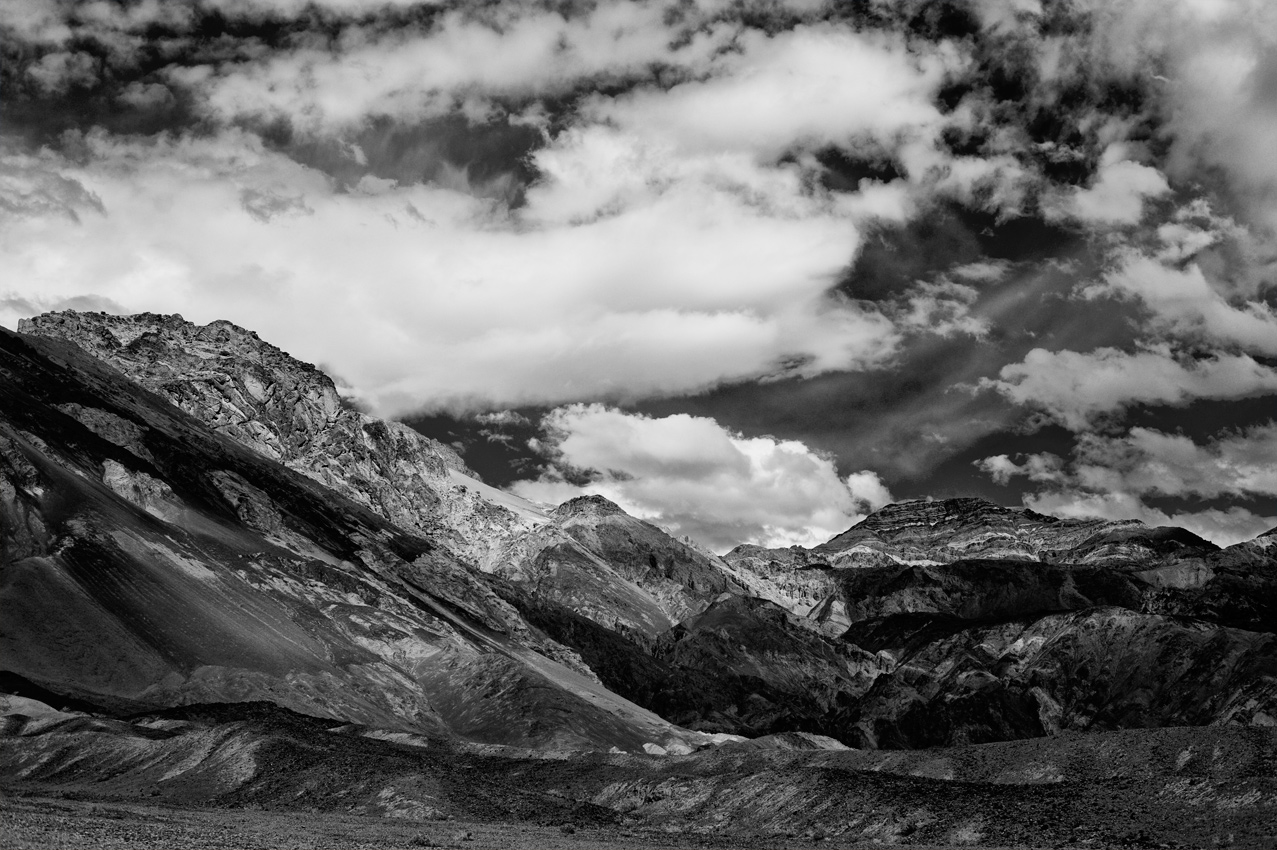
623,573
147,560
290,411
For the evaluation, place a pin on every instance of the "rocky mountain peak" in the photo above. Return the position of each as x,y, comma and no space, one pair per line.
291,411
591,505
944,530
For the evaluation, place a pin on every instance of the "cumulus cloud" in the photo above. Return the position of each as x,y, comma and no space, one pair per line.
943,308
660,198
442,298
1207,65
146,95
694,477
1077,390
1039,467
1118,193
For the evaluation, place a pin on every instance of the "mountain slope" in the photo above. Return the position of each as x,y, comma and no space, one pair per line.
148,561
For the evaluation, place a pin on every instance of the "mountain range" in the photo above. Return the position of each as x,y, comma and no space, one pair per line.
189,516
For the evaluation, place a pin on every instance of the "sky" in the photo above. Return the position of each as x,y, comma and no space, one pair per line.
751,270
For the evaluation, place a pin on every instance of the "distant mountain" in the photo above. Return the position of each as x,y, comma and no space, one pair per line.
996,624
148,561
626,574
926,533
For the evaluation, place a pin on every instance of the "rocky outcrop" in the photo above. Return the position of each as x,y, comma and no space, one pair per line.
922,534
291,412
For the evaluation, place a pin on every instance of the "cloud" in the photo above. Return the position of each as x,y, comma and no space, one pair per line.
426,297
35,21
33,186
55,73
146,96
1222,527
942,308
1207,68
807,87
1146,461
1112,476
694,477
1182,302
1118,193
1077,390
1041,467
410,74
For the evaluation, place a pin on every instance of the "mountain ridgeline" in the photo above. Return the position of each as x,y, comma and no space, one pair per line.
190,515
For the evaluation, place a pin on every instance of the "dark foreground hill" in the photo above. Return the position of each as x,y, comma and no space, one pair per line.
1148,788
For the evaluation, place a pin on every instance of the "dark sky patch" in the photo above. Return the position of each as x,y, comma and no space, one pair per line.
491,156
497,448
